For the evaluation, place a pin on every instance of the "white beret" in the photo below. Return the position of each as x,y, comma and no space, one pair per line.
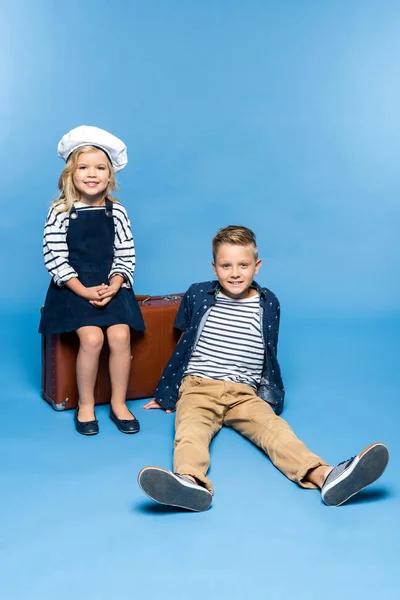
93,136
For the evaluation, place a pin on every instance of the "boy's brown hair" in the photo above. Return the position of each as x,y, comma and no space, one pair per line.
236,235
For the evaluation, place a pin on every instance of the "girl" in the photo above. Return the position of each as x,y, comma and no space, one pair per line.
89,252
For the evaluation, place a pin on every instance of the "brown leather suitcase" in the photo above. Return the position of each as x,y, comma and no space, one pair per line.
150,352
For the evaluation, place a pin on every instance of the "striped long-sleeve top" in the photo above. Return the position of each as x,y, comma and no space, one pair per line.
230,346
55,247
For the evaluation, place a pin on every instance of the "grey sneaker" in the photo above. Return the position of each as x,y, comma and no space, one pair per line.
351,476
171,489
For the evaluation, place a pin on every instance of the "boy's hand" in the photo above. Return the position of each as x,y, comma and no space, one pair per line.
154,404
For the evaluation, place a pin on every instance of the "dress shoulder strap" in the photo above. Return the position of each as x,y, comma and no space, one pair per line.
109,208
73,213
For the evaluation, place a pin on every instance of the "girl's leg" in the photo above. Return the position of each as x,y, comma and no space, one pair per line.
91,342
119,341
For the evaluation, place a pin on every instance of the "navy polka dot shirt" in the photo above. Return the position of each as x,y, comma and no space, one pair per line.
192,314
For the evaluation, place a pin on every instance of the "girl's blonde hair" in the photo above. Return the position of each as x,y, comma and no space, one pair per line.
68,192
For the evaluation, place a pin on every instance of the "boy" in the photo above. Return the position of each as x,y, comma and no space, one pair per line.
224,371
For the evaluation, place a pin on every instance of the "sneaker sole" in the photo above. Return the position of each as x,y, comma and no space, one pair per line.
366,468
164,487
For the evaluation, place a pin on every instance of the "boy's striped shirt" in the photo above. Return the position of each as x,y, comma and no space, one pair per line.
230,346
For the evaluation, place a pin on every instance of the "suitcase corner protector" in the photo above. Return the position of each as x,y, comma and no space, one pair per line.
60,406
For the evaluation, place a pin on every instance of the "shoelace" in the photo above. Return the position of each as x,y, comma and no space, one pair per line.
349,460
344,462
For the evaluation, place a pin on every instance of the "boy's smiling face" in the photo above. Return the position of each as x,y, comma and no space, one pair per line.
236,266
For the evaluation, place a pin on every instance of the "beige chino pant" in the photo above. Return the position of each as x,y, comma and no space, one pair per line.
205,405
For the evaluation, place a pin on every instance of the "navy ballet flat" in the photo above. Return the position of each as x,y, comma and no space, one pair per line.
86,427
125,425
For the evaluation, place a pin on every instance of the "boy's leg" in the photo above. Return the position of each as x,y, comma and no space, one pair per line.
255,419
199,417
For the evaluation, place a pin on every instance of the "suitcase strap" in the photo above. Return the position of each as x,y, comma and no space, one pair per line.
170,297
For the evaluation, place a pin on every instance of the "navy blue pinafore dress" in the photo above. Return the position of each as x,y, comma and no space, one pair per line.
90,240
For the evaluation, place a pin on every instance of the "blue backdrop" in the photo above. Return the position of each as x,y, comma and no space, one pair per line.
280,115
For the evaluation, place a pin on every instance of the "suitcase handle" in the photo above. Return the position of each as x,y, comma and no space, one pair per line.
173,297
143,299
170,297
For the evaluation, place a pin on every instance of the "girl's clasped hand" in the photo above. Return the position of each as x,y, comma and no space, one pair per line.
105,293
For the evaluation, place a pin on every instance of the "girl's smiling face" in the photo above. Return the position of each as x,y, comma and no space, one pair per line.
92,175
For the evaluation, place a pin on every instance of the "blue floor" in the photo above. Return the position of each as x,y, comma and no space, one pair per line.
74,524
